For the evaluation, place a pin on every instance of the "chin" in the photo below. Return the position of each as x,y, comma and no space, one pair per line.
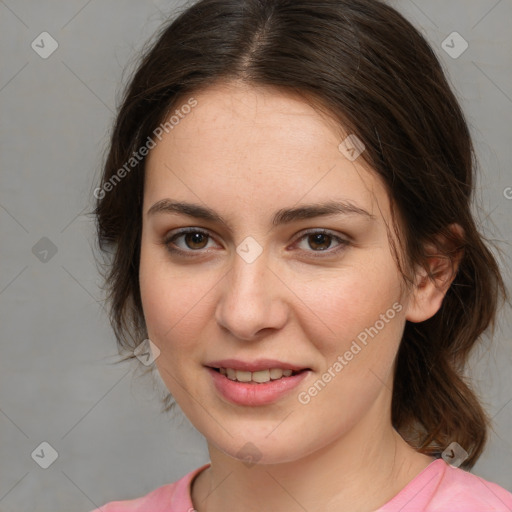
261,449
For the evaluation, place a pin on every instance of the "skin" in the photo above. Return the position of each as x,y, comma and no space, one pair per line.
246,152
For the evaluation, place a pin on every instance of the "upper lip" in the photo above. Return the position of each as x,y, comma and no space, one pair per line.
254,366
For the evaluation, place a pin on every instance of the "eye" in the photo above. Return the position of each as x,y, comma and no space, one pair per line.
189,240
322,240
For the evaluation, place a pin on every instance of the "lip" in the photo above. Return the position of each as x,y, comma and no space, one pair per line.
243,393
254,366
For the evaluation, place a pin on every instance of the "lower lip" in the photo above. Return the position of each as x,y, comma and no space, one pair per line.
244,393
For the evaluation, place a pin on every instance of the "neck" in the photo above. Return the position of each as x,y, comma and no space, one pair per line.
360,471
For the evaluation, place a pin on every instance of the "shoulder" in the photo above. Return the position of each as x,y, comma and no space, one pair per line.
444,488
461,490
175,497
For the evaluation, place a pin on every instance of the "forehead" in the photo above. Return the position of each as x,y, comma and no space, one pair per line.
254,117
258,146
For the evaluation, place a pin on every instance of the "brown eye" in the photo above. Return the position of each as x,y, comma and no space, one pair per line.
196,240
316,242
187,241
319,241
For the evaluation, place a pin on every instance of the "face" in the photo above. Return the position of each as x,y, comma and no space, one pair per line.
242,271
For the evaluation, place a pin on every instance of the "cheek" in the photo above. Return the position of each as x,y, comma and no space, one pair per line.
361,326
350,302
175,300
174,303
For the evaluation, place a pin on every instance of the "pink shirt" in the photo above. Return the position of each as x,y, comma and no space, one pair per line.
439,487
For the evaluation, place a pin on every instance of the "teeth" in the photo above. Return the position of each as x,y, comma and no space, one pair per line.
276,373
243,376
259,377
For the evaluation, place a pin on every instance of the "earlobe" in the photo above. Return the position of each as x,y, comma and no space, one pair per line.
429,290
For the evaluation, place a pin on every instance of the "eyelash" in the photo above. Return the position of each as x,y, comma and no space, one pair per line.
168,240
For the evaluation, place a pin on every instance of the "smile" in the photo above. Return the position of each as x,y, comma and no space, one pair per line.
255,388
258,377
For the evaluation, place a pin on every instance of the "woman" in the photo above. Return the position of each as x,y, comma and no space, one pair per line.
287,201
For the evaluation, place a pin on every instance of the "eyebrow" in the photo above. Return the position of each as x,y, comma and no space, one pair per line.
283,216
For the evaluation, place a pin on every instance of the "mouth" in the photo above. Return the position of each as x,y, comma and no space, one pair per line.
257,377
255,383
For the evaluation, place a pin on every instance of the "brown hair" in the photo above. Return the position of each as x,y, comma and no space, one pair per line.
349,58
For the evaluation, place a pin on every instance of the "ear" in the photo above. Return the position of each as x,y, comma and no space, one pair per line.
443,262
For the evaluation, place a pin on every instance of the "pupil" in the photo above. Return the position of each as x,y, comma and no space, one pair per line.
320,239
194,239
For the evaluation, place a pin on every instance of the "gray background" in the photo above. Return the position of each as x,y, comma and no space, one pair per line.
58,381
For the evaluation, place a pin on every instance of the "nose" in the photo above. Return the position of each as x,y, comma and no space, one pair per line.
252,300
